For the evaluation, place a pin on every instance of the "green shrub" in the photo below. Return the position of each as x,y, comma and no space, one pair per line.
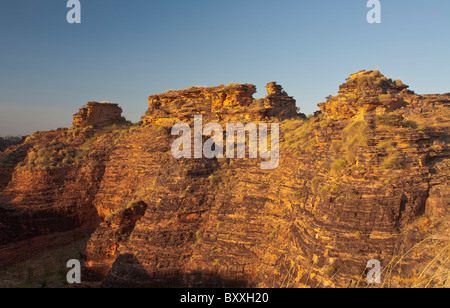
315,184
260,103
398,83
43,161
325,189
297,195
4,157
42,152
335,189
67,161
290,125
213,180
376,74
372,78
393,161
389,119
410,124
275,231
387,145
302,135
384,97
380,80
330,271
351,99
337,167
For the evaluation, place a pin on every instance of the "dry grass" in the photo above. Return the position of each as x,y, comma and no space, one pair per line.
337,167
355,135
434,274
301,134
47,270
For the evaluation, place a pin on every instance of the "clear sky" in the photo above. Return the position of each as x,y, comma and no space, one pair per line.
125,50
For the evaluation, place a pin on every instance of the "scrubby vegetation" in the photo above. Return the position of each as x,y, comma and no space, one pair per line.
354,136
301,134
393,159
47,270
4,158
385,97
72,147
398,82
315,185
337,167
389,120
372,78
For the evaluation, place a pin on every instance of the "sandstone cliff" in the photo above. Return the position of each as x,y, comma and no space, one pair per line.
234,102
367,178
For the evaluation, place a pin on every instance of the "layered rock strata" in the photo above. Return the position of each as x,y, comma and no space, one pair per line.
365,179
98,114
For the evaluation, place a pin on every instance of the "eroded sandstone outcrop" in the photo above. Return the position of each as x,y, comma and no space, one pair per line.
366,91
98,114
234,102
365,179
117,228
278,104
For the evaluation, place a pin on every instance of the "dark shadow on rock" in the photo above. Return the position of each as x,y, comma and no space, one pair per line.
128,272
9,162
28,231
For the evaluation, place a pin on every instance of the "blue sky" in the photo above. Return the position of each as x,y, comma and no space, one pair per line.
124,51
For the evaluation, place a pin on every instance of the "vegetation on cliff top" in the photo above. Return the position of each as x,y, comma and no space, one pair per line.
72,147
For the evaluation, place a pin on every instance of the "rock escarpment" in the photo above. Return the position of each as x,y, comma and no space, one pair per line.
234,102
347,190
366,179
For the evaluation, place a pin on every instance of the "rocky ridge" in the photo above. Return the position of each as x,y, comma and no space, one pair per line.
367,178
219,104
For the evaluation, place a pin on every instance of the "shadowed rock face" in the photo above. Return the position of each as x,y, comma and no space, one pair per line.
350,187
6,142
117,229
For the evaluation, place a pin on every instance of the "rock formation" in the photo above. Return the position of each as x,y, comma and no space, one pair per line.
278,103
98,114
219,104
366,91
368,178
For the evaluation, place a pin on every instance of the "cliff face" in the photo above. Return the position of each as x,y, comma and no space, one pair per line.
48,184
366,179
